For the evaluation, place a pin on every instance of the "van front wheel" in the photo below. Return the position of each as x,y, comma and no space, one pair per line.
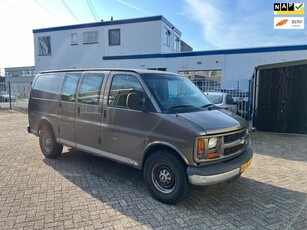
49,147
165,177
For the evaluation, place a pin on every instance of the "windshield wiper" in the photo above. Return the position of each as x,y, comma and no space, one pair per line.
211,106
182,106
208,105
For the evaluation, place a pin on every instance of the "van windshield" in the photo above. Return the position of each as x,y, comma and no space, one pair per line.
175,93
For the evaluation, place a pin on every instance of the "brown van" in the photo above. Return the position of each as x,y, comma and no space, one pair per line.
155,121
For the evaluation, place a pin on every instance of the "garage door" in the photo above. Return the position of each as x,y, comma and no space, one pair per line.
282,100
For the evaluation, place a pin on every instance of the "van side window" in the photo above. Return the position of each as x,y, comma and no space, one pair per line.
89,91
47,86
121,86
70,87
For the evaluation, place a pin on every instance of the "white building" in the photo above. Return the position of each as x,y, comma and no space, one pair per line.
85,45
17,72
149,43
19,79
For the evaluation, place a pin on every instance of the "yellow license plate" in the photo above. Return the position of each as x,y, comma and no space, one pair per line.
245,166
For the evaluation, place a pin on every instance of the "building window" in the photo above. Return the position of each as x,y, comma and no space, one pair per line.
74,39
44,45
114,37
159,69
167,37
176,43
90,37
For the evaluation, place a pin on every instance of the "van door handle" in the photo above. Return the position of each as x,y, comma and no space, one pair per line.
104,118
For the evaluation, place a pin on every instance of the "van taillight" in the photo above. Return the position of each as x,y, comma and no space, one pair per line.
30,90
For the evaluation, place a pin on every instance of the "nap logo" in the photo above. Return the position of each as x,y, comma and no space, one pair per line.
284,23
289,8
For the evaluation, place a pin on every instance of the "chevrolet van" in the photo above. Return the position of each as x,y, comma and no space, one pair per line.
158,122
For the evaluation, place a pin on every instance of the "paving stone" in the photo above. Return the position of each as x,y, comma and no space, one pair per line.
82,191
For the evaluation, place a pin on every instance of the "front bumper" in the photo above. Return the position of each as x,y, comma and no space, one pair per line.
220,172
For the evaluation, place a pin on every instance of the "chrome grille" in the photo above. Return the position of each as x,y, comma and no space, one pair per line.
233,137
235,143
233,149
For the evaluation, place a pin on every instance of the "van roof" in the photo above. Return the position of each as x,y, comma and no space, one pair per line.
139,71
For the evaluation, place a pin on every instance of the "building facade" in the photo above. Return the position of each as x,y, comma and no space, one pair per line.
84,45
26,71
19,80
149,43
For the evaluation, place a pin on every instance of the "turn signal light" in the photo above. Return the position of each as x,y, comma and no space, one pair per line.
200,146
212,155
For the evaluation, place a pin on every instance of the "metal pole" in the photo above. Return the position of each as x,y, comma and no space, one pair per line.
249,100
10,95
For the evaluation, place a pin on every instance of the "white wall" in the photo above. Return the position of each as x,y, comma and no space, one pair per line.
146,38
64,55
234,66
241,66
135,38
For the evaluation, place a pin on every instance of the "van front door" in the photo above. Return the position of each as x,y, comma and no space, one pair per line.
124,130
89,111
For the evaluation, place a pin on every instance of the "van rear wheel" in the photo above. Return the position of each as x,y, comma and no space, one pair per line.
49,147
165,177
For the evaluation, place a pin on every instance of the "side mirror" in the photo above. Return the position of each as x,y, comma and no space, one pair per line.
134,101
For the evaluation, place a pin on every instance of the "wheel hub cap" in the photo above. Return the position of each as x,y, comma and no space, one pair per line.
165,176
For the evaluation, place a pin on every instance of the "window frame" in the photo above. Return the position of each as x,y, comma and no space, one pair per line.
167,37
76,89
91,41
176,43
82,81
117,95
72,42
109,37
41,49
41,87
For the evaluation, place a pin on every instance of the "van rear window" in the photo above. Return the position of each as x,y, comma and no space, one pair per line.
47,86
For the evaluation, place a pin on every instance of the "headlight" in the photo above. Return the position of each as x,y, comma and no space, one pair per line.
212,143
207,148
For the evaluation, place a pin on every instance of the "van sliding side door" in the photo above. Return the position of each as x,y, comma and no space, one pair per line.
89,111
67,109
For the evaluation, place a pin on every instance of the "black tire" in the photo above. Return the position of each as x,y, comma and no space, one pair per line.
49,147
165,177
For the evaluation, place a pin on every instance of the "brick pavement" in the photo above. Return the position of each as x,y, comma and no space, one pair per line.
82,191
